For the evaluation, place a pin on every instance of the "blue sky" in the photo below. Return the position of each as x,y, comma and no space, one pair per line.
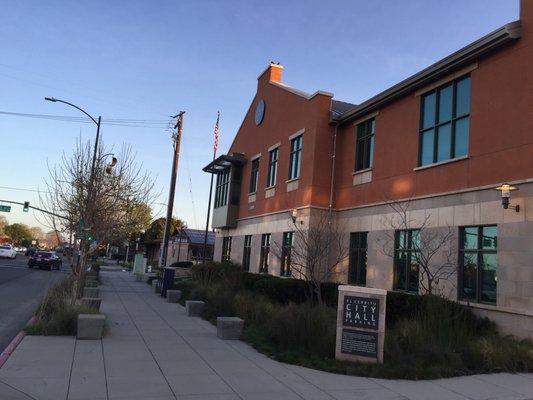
148,59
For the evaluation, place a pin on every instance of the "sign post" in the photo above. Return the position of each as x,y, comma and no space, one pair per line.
360,324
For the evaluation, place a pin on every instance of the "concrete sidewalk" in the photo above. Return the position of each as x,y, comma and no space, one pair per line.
153,351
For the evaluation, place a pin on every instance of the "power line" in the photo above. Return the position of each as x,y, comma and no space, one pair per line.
127,122
23,189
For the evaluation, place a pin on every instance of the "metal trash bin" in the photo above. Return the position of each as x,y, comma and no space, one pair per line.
168,280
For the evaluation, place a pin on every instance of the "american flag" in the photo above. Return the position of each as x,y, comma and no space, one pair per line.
216,133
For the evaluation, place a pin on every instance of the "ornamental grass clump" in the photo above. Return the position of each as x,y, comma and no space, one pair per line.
58,312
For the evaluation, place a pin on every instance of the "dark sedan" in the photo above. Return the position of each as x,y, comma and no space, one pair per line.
45,259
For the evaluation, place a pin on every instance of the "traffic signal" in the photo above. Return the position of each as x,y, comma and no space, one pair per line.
26,206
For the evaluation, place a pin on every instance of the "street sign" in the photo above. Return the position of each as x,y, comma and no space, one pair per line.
5,208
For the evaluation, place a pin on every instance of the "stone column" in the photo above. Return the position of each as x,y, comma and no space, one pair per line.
361,324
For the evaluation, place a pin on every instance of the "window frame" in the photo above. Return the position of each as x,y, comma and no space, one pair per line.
364,158
226,249
264,253
409,251
454,119
254,175
295,157
479,251
286,253
246,253
272,174
222,188
356,251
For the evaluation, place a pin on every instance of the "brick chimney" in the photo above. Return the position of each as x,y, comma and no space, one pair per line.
273,73
526,14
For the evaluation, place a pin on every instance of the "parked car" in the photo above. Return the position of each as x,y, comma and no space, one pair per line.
22,249
7,251
45,259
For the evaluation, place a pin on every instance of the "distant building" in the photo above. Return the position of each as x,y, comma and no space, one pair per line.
187,245
443,139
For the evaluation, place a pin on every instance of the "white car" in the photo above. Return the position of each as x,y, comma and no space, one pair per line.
7,251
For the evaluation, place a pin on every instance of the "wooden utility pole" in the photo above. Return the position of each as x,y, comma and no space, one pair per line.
168,223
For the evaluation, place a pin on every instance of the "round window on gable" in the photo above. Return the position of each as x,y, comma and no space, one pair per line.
260,112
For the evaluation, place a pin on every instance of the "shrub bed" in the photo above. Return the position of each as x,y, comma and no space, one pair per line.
58,312
427,336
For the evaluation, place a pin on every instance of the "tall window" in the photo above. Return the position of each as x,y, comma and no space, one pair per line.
444,122
295,157
406,255
246,252
357,263
478,263
226,249
286,250
222,187
365,144
265,250
272,167
254,175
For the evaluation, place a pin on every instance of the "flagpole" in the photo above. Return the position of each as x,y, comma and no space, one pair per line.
210,191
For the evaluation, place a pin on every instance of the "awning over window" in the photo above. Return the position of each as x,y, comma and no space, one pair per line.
222,162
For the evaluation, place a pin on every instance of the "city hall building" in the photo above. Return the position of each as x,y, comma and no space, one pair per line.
446,141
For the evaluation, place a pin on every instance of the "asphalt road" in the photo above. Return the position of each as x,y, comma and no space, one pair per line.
21,290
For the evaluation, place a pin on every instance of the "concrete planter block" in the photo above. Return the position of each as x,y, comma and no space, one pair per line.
229,328
173,296
90,326
194,308
157,287
91,292
154,283
91,302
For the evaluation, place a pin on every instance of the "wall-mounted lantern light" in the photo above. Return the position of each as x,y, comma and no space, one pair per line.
506,190
294,215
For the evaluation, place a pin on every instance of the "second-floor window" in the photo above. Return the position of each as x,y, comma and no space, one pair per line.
272,167
247,252
406,256
364,151
226,249
444,122
265,251
295,157
222,188
254,175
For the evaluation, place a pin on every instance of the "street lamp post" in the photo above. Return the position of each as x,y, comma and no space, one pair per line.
98,123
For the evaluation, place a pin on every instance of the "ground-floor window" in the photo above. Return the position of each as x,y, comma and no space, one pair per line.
406,255
357,263
265,250
478,263
246,252
226,249
288,238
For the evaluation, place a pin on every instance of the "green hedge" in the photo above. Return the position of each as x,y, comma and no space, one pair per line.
285,290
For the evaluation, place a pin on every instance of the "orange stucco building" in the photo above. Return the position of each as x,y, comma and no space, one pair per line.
434,148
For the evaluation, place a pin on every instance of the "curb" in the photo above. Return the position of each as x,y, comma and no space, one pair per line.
15,342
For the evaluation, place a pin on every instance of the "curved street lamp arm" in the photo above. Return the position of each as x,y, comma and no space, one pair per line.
53,99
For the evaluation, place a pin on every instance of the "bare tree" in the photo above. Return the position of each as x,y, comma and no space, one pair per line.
106,207
432,249
317,252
